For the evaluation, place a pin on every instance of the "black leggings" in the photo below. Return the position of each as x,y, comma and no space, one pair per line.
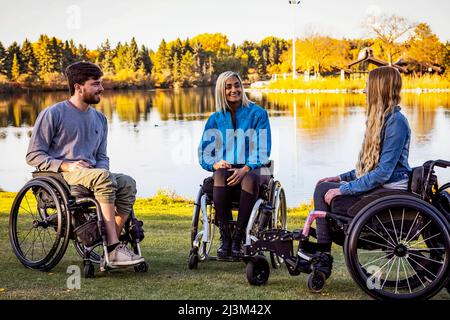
247,192
323,229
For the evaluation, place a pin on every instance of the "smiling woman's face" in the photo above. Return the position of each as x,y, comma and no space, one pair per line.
233,90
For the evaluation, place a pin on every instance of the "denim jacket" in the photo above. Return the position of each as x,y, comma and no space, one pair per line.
393,163
247,144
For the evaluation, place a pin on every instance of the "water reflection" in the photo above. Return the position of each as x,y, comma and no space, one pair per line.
314,134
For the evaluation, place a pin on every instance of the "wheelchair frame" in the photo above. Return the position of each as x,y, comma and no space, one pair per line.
309,254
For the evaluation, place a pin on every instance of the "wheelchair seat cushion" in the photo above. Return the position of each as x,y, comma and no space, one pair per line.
79,191
208,187
55,175
350,205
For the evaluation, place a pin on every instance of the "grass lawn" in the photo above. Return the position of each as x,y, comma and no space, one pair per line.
166,246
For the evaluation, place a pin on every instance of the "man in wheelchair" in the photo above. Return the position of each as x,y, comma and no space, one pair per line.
235,145
70,137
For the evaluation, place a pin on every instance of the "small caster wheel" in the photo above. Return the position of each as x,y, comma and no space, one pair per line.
258,270
193,261
141,267
316,281
89,270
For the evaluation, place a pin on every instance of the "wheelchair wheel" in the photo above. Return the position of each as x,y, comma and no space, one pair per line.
398,248
193,259
141,267
89,270
257,270
39,225
316,281
279,218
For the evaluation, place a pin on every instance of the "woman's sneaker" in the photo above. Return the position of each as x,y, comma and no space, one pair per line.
122,256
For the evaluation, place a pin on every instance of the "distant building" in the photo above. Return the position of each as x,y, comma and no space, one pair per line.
360,67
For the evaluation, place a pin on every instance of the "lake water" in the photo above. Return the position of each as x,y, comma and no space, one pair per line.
153,135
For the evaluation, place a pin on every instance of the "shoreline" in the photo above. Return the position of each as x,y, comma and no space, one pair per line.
341,91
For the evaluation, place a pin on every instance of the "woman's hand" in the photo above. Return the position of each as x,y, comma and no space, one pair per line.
330,179
331,194
222,164
237,176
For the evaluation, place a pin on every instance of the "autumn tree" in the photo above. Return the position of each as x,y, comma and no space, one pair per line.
424,47
389,29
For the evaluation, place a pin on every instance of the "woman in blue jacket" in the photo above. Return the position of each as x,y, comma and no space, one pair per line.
235,146
383,159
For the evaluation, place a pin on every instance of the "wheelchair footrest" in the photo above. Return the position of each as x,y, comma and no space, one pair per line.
275,240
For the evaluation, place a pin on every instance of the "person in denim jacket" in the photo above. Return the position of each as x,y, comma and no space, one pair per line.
235,145
383,159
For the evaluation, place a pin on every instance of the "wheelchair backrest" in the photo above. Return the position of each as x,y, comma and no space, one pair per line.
423,180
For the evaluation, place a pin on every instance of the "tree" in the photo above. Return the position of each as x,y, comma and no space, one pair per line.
146,62
425,48
13,53
2,59
161,64
132,56
187,69
29,61
15,69
389,29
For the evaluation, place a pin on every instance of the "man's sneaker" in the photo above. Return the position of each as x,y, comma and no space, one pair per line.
121,256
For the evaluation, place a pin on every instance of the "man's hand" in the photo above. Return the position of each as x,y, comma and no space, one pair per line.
237,176
222,164
330,179
72,166
331,194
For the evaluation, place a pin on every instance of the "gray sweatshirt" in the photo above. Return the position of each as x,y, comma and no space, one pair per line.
65,133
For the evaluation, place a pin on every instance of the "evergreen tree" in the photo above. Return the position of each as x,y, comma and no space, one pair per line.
12,52
2,59
146,62
29,61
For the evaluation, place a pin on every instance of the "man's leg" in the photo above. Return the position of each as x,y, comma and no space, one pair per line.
104,186
125,199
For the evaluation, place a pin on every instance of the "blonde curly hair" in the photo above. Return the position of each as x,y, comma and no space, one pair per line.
383,89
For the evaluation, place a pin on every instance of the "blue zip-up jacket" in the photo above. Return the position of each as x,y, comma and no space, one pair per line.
247,144
393,164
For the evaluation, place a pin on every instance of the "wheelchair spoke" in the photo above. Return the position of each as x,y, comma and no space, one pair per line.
389,271
415,273
42,241
406,274
438,234
422,267
418,232
393,225
412,225
423,257
373,251
376,216
20,244
387,241
425,249
398,274
383,257
401,226
29,207
383,245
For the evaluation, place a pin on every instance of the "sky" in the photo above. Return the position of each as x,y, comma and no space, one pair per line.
149,21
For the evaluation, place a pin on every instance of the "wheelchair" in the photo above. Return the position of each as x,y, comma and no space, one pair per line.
396,244
47,213
269,212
